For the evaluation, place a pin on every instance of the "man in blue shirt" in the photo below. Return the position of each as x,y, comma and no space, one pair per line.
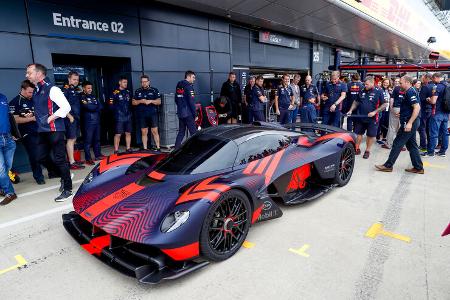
7,148
284,100
121,104
72,122
258,101
439,118
370,102
409,123
333,95
90,110
186,111
353,89
146,99
425,111
22,108
309,97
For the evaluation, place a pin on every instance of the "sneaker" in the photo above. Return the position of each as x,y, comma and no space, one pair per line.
366,155
415,171
75,166
441,154
358,152
380,142
8,199
386,147
383,168
65,194
90,162
427,154
40,181
422,150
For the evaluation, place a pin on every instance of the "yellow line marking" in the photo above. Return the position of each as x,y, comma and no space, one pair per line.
248,245
427,164
20,262
378,228
301,251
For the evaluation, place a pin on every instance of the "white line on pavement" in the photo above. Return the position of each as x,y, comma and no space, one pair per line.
43,213
35,216
46,189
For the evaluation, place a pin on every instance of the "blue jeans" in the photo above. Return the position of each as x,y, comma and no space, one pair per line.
438,129
293,115
7,148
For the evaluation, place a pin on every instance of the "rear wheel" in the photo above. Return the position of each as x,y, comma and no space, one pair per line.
226,226
346,165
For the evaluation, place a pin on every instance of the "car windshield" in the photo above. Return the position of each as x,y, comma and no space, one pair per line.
200,154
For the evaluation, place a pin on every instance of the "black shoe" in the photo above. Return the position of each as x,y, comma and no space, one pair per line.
129,150
40,181
65,194
116,152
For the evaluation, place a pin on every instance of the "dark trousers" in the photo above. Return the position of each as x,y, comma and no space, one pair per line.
31,142
284,116
54,142
424,129
409,139
331,118
91,138
183,124
256,115
383,125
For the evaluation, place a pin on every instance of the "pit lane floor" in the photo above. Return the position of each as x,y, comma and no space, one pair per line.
315,251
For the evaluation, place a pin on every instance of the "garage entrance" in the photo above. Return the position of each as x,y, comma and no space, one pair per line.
103,72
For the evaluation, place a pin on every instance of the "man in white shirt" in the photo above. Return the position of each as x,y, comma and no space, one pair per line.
296,94
50,108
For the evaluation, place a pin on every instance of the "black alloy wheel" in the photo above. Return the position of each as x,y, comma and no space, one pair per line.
346,165
226,226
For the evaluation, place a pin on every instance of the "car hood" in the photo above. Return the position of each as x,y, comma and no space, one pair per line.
132,207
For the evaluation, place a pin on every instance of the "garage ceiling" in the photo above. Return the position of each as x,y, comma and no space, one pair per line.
318,19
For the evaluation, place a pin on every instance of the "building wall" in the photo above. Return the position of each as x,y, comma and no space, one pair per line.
160,40
247,51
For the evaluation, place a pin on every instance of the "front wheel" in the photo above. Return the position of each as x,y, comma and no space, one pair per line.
346,165
225,226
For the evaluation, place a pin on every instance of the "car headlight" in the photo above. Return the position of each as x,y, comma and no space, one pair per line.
174,220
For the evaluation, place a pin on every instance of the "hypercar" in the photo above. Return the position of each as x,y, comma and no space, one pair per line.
159,216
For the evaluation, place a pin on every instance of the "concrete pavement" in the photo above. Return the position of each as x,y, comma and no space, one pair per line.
334,258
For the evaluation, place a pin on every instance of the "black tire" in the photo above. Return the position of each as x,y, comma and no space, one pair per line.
226,226
346,165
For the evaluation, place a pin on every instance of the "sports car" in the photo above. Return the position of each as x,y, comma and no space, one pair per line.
160,216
